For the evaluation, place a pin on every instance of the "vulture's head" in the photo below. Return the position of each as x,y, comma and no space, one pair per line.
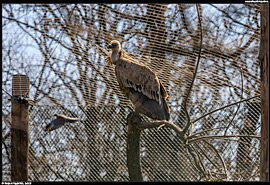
115,45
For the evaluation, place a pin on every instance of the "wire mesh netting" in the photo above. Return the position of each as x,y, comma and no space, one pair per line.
62,49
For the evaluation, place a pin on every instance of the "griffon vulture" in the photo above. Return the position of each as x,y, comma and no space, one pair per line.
139,83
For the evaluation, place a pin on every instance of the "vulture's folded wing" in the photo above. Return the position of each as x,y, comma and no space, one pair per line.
66,118
136,75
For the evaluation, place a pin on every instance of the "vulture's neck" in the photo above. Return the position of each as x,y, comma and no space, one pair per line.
115,56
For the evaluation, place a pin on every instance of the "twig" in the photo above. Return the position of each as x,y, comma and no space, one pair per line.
234,20
197,133
198,161
6,148
207,156
238,141
46,165
242,80
224,107
220,157
220,137
6,92
194,76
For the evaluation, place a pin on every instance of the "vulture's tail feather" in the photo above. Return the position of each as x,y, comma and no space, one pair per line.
149,107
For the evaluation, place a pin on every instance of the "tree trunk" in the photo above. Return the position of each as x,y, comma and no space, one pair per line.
263,57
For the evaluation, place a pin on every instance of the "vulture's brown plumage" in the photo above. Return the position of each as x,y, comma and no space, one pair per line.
139,83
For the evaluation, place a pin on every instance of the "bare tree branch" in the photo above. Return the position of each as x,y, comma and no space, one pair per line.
194,76
247,99
219,137
242,86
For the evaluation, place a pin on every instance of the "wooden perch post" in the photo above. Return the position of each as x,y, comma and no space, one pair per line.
19,128
133,149
135,126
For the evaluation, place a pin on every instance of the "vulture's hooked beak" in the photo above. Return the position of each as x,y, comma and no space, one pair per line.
110,46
